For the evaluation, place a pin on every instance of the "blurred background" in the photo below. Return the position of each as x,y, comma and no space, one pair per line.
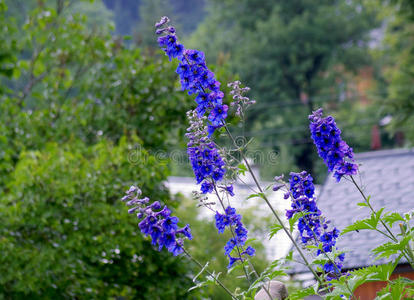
89,105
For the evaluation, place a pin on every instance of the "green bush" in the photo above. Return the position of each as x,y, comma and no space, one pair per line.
65,234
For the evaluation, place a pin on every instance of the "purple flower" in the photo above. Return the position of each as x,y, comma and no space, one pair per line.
335,152
163,21
177,248
229,190
169,224
230,246
249,251
218,114
195,77
205,160
186,231
233,220
312,227
206,187
159,225
232,260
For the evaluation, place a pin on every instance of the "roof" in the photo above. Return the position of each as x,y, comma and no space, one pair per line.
386,175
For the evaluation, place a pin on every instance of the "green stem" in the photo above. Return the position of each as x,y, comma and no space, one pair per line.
410,257
209,273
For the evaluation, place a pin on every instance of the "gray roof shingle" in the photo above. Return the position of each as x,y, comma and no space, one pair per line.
386,175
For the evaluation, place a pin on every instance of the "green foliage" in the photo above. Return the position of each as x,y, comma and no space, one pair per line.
65,232
84,85
399,54
346,284
276,269
391,248
274,229
7,57
150,11
400,288
77,113
399,244
370,223
283,51
302,293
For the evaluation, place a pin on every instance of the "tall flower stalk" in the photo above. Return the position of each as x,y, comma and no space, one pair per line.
206,160
334,151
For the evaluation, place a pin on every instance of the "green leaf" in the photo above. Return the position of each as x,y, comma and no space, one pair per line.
242,169
391,248
391,218
375,273
258,195
400,288
274,230
365,224
292,221
253,196
301,294
289,256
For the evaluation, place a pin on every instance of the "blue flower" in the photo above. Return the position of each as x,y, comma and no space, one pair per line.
195,77
169,224
195,56
183,70
230,246
232,260
208,166
218,114
186,231
312,227
233,220
221,222
167,41
159,225
249,251
335,152
229,190
177,248
218,174
206,187
205,160
156,233
167,240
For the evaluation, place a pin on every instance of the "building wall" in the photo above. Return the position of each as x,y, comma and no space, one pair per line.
369,290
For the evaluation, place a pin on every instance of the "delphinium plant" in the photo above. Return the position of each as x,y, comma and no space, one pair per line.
215,172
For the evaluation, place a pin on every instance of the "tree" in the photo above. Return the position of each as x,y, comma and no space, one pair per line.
78,117
65,233
286,51
150,11
398,54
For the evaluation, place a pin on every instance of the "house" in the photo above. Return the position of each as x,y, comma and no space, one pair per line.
388,177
